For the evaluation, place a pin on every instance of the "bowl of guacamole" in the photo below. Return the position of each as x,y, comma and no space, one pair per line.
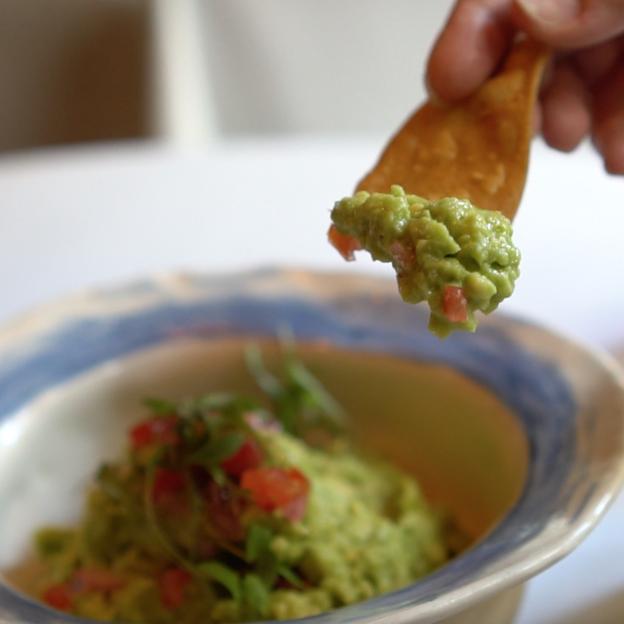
288,445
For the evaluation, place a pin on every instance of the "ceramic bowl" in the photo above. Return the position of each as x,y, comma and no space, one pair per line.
516,431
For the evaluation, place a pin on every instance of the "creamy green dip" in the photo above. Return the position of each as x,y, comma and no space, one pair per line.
222,511
453,255
367,530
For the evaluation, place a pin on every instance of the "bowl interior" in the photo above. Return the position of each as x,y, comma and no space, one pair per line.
518,432
402,409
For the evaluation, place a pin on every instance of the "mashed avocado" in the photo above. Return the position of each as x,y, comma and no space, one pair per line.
447,252
224,511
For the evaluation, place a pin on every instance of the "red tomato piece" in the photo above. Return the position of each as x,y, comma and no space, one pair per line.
403,255
295,510
155,431
248,456
284,489
58,597
344,244
172,585
225,507
455,304
168,485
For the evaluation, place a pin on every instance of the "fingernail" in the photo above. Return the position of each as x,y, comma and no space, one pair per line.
609,141
614,162
553,11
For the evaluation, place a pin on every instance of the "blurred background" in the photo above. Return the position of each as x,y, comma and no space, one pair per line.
75,71
144,136
141,136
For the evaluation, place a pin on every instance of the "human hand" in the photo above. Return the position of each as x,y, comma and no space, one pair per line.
583,92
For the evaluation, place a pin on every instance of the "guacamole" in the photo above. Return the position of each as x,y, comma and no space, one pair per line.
447,252
222,510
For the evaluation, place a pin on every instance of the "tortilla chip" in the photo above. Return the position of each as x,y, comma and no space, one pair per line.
476,149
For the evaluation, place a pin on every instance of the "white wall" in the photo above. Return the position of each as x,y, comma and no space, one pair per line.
317,66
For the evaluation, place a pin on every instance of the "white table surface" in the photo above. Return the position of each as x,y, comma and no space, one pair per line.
85,217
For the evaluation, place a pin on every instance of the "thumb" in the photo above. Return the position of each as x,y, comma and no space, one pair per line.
570,24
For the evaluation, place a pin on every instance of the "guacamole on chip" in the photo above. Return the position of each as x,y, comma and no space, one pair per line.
224,510
449,253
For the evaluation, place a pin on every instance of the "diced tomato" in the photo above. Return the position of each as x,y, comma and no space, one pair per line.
172,585
248,456
455,304
155,431
225,506
281,489
58,597
168,486
403,255
296,509
344,243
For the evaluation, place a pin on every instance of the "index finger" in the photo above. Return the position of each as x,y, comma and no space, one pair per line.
469,48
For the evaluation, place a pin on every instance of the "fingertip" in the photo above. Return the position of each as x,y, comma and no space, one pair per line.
612,148
444,79
608,131
438,84
568,24
566,112
565,132
469,48
545,16
614,164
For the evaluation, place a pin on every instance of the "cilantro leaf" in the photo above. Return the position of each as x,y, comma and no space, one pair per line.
300,401
314,391
265,380
216,450
290,575
258,543
224,576
160,406
53,541
256,595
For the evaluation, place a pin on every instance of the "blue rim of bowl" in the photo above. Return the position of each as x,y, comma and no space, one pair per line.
363,315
